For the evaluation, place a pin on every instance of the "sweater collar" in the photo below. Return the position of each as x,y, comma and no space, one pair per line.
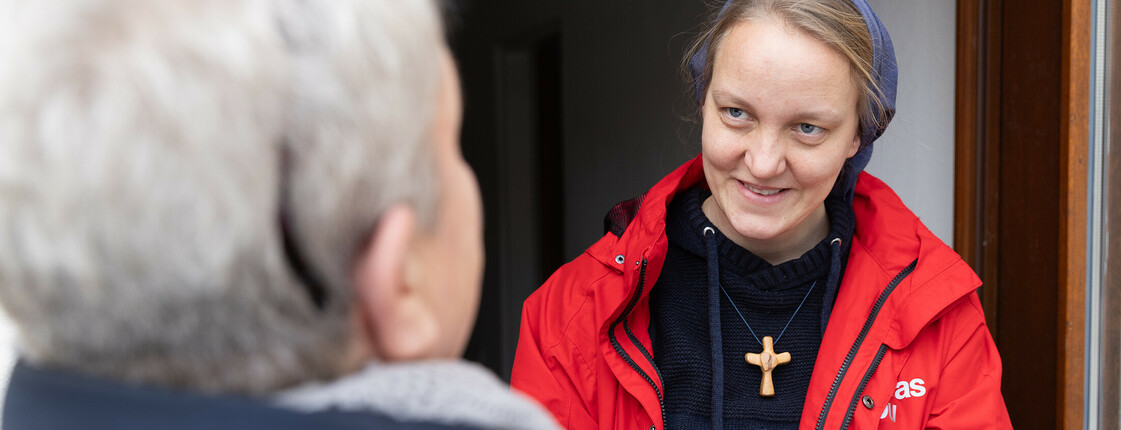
687,220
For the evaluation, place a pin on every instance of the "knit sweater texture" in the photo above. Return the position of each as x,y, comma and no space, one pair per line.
766,295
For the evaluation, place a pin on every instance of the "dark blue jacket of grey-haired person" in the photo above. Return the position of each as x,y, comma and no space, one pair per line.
46,399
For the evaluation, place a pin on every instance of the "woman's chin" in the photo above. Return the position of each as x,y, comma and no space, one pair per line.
751,232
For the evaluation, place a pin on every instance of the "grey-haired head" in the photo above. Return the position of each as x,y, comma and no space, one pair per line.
149,150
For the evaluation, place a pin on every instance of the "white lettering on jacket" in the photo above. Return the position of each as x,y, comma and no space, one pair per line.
889,412
912,388
903,390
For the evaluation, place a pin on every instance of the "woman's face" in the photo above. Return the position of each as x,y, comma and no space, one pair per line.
780,119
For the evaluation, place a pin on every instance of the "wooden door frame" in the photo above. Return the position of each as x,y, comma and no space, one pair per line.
1074,165
976,150
977,188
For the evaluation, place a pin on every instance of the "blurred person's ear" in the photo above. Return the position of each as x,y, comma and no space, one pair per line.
399,323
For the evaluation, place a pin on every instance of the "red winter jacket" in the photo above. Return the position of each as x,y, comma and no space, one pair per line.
906,346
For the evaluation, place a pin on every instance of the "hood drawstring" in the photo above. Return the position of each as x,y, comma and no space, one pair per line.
715,337
832,284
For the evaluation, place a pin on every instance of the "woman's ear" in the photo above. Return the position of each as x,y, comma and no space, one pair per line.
399,323
855,145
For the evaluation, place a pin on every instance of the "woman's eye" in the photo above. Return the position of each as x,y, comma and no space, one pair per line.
736,113
809,128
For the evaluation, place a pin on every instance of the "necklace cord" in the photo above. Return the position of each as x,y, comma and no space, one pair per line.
795,311
783,327
745,319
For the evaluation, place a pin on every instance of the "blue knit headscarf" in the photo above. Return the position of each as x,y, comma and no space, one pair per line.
885,68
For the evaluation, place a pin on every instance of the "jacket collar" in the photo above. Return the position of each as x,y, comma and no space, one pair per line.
632,223
642,241
893,237
886,229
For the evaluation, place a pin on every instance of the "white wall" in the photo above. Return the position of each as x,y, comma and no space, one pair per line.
916,154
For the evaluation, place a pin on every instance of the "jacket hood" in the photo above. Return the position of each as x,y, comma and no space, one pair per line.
883,65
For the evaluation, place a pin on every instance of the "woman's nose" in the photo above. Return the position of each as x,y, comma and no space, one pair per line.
765,156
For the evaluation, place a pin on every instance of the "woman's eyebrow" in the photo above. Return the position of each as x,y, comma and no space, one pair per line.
828,116
823,115
729,97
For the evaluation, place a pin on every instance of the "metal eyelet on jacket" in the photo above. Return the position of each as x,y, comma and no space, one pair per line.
620,259
868,403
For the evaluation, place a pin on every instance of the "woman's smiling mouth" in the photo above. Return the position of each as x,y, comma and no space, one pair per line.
762,191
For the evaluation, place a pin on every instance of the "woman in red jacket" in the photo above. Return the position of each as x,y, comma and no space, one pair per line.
769,283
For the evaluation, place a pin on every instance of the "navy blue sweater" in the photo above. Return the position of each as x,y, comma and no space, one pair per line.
766,295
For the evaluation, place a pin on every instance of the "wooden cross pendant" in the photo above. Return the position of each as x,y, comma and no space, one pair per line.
767,361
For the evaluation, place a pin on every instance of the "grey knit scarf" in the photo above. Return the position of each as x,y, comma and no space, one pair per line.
442,391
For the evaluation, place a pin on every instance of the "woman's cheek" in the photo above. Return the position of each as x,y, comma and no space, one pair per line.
720,150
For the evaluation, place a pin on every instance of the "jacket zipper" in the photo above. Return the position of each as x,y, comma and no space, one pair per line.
859,340
627,328
863,383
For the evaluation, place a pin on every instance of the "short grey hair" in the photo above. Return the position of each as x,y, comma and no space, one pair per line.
149,150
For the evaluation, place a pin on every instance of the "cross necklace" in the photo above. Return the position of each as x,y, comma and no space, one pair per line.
767,360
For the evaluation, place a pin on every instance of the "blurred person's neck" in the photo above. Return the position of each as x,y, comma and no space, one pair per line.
359,352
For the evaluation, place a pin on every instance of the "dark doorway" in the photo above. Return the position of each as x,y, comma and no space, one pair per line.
569,108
